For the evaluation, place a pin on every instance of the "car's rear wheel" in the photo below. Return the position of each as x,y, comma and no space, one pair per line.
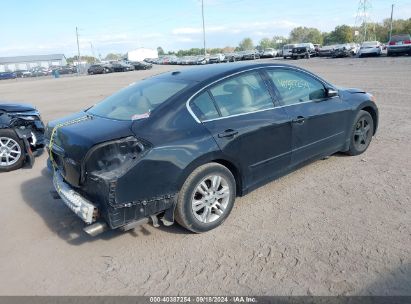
206,198
11,151
362,132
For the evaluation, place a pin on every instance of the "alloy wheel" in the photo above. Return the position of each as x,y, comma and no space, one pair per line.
210,198
362,133
10,151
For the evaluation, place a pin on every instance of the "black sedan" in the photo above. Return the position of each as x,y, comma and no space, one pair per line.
141,65
21,134
98,69
183,145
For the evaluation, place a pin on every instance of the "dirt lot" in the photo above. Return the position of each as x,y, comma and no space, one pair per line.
338,226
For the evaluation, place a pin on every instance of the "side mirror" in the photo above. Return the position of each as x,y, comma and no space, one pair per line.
331,92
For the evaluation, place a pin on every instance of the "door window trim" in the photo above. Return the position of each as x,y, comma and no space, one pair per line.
268,82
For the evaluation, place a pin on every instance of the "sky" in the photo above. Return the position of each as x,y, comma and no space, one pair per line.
30,27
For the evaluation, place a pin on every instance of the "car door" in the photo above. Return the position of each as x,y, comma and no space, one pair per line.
240,114
319,117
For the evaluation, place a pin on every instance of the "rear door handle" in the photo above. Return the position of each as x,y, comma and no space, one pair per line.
299,120
228,133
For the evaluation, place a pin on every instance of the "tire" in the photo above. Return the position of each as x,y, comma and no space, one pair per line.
212,212
362,132
284,57
9,141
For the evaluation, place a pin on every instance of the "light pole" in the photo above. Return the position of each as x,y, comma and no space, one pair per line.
78,54
204,40
392,12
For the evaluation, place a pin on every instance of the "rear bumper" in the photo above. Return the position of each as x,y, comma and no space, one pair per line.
77,203
399,49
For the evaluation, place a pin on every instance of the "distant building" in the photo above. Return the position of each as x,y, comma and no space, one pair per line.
28,62
141,53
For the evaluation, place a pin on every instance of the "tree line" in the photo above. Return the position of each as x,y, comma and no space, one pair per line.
340,34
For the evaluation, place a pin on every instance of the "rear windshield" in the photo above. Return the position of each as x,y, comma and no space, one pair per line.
371,43
396,38
139,99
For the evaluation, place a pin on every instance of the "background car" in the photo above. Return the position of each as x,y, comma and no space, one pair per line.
234,56
342,50
99,69
399,44
119,66
326,50
217,58
213,133
141,65
250,55
269,53
303,50
287,50
22,73
8,75
39,71
66,70
370,48
21,134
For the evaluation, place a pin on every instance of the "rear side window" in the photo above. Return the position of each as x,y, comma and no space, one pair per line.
138,99
203,107
295,87
242,94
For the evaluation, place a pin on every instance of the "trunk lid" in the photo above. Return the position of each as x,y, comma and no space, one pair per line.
75,135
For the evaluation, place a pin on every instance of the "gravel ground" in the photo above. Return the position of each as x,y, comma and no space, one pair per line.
339,226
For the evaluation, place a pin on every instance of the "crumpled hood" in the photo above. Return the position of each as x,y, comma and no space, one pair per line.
15,107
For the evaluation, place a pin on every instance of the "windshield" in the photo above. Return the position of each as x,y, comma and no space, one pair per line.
139,99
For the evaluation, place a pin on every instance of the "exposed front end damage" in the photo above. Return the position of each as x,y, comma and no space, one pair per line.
26,123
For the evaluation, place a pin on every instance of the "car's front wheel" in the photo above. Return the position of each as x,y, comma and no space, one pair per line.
11,151
361,134
206,198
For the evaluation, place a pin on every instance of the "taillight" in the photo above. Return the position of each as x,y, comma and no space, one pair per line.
392,43
407,41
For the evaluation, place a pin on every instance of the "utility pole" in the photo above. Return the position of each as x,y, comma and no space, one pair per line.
78,54
365,20
204,39
392,12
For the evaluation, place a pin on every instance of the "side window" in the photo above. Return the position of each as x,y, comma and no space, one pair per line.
242,94
203,107
295,87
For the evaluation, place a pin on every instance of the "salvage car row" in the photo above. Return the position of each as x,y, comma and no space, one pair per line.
38,71
398,45
118,66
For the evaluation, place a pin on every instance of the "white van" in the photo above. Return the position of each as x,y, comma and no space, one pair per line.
287,50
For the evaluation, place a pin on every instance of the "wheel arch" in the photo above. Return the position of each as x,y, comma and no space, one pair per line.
219,159
373,114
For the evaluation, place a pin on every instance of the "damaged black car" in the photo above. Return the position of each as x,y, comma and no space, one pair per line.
183,145
21,135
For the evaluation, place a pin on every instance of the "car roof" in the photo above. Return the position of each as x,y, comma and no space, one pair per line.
209,72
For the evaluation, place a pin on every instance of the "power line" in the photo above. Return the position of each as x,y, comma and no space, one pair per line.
363,18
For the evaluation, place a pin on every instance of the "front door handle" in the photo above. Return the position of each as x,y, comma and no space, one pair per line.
228,133
299,120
